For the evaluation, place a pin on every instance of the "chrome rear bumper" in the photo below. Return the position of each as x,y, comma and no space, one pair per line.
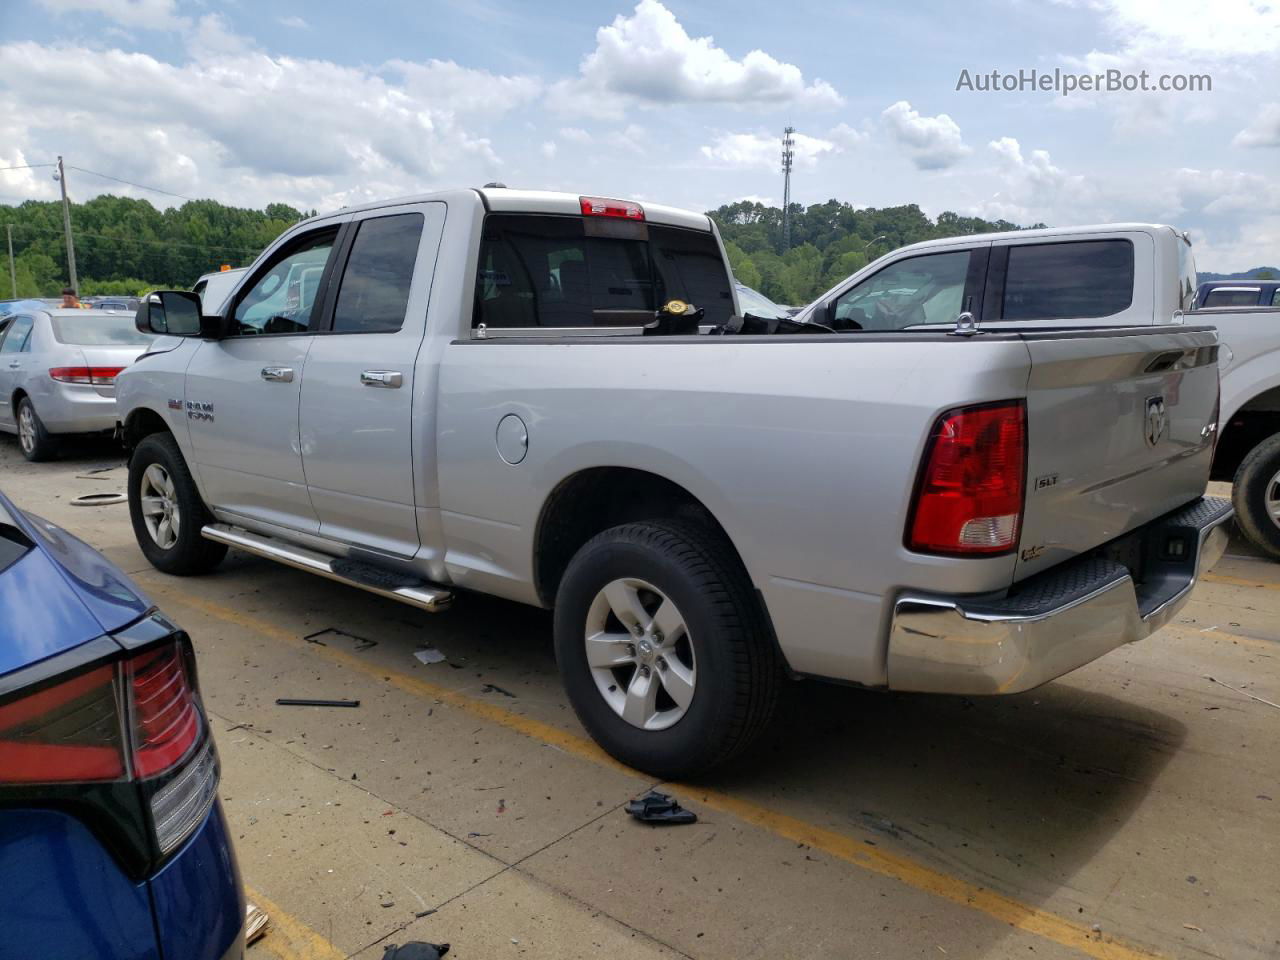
1058,620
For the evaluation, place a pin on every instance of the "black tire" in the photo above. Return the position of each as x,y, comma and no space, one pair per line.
1256,481
39,445
189,553
738,670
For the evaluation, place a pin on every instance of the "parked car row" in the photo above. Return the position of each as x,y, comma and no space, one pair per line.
972,467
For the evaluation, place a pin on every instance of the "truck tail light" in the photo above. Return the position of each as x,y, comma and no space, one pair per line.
123,742
969,497
98,376
604,207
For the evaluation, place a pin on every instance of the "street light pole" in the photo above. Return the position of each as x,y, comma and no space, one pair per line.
66,225
13,270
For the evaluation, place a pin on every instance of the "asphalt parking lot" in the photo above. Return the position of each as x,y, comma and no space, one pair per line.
1129,810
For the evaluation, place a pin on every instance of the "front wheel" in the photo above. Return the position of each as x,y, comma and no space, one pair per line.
662,648
167,511
1255,494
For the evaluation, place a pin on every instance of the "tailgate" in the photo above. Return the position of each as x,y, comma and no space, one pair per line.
1118,433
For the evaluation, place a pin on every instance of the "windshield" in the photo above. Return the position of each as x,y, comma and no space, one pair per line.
758,305
95,330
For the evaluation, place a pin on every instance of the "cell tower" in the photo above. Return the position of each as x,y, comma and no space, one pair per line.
788,159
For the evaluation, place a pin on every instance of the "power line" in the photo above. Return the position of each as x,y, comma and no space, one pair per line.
29,166
140,186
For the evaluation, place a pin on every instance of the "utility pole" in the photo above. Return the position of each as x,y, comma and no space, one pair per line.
66,225
13,270
788,158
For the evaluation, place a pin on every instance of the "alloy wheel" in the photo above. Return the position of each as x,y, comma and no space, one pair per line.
640,654
160,510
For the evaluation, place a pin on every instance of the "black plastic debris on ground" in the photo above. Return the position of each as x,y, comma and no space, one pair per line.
494,688
304,702
333,633
415,950
659,808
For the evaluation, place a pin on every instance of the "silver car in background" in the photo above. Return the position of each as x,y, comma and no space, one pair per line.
58,373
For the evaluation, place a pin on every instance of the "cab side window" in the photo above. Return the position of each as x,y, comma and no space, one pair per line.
284,297
16,337
374,291
1079,279
919,290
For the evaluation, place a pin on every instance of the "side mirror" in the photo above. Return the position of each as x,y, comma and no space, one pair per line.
175,313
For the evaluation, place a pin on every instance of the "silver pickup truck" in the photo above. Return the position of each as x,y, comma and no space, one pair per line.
938,483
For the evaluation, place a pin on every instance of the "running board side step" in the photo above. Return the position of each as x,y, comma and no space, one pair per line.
422,595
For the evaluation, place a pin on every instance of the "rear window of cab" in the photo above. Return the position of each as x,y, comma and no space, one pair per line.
564,271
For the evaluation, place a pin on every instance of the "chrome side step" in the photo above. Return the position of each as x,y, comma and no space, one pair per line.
425,597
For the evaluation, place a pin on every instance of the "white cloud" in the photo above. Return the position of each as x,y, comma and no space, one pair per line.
575,135
150,14
1264,131
933,143
1184,28
249,129
293,23
760,151
1033,189
212,34
548,149
649,58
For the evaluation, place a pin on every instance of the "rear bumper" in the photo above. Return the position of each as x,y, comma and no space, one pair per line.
1061,619
75,408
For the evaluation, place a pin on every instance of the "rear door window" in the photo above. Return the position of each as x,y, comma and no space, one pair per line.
548,271
1231,298
374,292
1072,280
15,338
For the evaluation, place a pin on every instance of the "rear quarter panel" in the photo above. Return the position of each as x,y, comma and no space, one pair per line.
804,448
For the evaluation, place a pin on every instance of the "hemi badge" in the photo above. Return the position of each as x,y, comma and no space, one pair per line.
175,404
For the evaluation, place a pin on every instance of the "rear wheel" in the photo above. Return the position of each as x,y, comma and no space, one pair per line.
1256,496
662,648
167,511
33,440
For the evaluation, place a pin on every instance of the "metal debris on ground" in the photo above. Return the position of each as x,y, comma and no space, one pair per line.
255,923
98,499
295,702
1241,690
333,633
659,808
415,950
429,655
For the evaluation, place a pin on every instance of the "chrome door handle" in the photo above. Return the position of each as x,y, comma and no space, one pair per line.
278,374
381,378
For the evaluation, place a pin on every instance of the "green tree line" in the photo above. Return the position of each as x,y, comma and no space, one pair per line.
829,241
126,246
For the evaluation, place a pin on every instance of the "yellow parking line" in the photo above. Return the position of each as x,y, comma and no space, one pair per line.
852,850
1239,581
287,937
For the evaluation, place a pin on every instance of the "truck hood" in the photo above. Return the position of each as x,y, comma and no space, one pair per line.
60,594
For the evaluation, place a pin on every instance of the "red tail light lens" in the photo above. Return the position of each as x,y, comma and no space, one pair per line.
604,207
65,733
969,498
165,715
98,376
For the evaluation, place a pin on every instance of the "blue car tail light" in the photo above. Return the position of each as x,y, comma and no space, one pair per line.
118,736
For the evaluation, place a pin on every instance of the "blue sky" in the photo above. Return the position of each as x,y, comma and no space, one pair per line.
320,105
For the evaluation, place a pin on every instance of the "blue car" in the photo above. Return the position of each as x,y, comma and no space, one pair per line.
113,843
